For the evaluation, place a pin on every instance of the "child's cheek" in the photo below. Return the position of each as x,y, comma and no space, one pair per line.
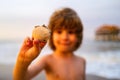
55,37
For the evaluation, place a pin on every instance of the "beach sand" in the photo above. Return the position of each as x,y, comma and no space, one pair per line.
7,69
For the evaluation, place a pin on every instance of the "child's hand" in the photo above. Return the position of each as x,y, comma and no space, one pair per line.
31,49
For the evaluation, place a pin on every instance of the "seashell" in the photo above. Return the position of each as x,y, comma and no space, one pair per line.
41,32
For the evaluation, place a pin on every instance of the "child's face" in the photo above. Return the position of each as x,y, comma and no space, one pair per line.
64,40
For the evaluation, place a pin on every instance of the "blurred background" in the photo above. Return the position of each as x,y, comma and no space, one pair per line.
100,47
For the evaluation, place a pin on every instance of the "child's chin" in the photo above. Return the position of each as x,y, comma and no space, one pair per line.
66,50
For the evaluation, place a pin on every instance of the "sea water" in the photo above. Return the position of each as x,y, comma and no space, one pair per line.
103,57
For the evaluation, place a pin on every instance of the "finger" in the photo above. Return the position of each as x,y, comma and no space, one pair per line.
42,44
24,47
27,43
36,44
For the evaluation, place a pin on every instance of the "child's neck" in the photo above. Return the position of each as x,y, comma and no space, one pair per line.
63,54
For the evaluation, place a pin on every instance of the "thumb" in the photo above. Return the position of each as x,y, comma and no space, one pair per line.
36,45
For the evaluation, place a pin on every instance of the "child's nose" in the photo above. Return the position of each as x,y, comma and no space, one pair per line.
65,36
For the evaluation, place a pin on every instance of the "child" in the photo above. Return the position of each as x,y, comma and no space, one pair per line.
66,37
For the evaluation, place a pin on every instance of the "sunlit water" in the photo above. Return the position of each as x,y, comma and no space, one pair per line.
103,58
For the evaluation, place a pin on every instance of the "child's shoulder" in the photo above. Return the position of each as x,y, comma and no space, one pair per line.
79,58
48,60
47,57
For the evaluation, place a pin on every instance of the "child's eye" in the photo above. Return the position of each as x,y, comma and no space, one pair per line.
59,31
71,32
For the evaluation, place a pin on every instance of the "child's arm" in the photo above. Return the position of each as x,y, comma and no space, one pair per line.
28,52
84,75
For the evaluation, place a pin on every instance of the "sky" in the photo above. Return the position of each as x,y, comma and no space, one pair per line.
18,17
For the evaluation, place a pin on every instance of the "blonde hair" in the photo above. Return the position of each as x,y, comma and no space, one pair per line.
66,18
